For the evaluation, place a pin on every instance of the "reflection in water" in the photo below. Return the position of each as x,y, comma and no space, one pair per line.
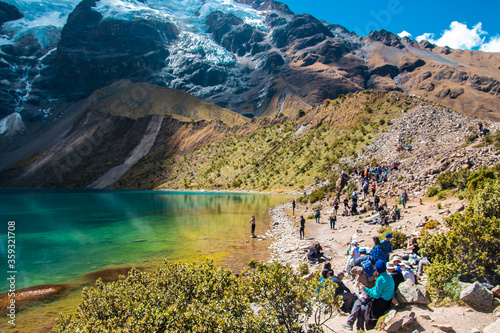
63,234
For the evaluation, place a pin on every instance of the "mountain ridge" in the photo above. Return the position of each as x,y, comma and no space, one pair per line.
230,55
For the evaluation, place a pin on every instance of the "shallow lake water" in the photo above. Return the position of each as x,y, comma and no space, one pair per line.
62,235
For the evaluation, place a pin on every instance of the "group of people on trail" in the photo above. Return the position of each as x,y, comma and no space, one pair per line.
379,279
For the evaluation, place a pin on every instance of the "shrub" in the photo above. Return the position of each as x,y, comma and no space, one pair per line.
399,240
471,138
439,206
486,201
432,191
303,269
469,250
203,298
302,113
432,224
446,179
479,178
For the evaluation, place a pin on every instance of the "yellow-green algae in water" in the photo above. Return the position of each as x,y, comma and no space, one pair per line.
61,235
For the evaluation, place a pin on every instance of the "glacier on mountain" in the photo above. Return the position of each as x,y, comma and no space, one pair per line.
45,19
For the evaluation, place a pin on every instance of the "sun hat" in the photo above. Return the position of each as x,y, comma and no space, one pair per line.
406,264
354,242
398,258
389,235
390,265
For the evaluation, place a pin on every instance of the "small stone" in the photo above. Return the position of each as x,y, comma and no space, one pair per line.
475,330
496,291
443,327
408,319
426,317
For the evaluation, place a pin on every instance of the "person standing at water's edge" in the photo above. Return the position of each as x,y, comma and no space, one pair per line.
252,221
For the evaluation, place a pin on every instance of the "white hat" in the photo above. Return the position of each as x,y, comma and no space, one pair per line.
354,242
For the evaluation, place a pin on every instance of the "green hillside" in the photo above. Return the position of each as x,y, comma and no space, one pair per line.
279,154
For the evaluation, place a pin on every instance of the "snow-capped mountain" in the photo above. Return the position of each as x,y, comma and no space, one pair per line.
255,57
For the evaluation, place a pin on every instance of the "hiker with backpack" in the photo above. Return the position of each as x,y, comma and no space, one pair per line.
336,205
404,198
378,252
317,214
376,202
333,219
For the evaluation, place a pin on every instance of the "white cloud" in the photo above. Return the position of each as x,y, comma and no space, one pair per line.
404,34
427,36
459,36
492,46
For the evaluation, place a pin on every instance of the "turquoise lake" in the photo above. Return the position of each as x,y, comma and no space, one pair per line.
63,234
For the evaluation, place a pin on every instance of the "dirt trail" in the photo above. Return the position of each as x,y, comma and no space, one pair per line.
289,249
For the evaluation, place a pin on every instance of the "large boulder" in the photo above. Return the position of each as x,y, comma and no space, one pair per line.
477,295
409,293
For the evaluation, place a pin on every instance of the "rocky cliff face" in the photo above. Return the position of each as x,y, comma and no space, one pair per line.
253,57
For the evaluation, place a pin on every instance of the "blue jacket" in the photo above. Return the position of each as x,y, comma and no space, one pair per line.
386,245
384,287
378,254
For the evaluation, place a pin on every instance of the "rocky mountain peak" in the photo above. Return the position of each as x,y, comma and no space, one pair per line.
9,12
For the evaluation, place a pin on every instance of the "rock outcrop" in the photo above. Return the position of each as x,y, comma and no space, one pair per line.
8,13
477,295
409,293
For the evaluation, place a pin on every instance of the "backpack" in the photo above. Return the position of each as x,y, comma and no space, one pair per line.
368,267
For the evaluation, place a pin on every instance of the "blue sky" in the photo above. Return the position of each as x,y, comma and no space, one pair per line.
459,24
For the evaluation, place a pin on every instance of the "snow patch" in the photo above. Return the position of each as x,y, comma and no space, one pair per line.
12,125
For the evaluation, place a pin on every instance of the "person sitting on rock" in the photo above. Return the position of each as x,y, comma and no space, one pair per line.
343,291
315,255
396,260
382,295
397,276
362,257
378,252
353,254
406,271
412,246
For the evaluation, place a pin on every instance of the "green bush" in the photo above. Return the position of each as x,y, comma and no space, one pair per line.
204,298
479,178
432,191
469,250
486,201
303,269
446,179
